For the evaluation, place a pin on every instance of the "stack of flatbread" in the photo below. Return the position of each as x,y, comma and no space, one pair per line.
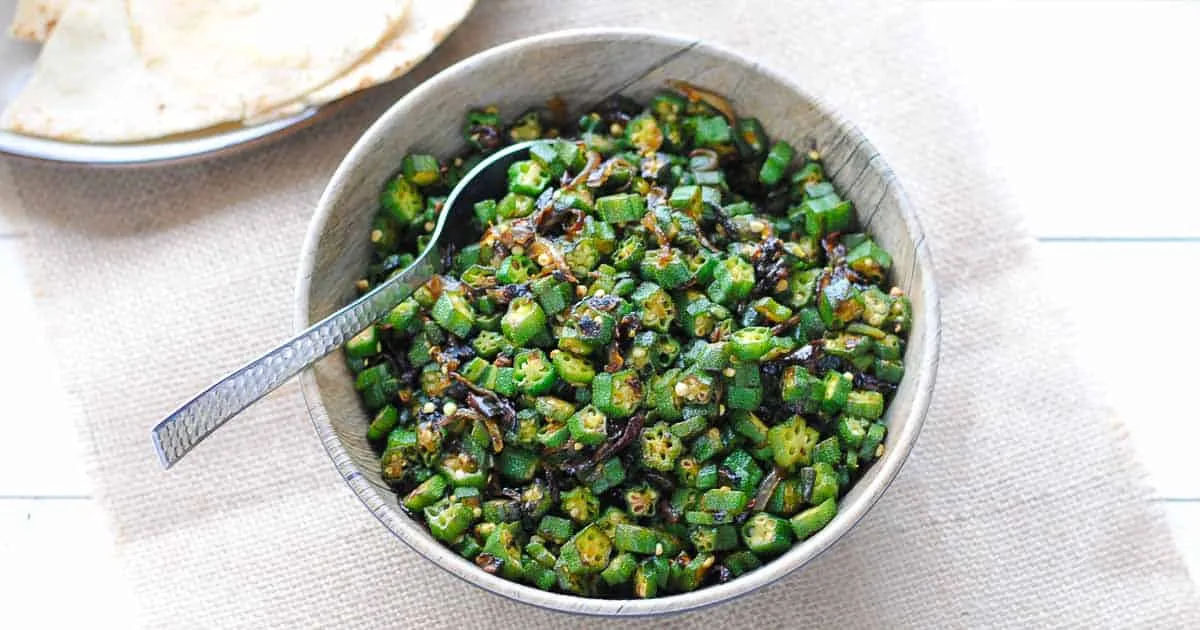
133,70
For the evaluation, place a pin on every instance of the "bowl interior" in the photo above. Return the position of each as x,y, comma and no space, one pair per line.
583,67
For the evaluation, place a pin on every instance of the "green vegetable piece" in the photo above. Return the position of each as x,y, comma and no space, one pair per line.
524,321
515,269
618,394
609,520
629,254
606,476
741,562
745,392
485,212
751,140
749,425
830,213
488,344
828,451
421,170
448,521
425,494
402,201
642,501
767,534
620,569
527,177
514,206
656,308
501,511
660,448
504,544
461,469
571,368
889,371
621,208
872,445
385,420
553,295
751,343
636,539
533,371
645,580
454,313
588,552
580,504
775,166
667,268
537,551
555,409
724,500
517,464
555,529
787,499
733,279
825,486
712,131
718,538
865,404
691,575
792,442
588,426
364,344
740,471
813,519
836,391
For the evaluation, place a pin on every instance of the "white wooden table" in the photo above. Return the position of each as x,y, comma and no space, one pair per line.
1073,97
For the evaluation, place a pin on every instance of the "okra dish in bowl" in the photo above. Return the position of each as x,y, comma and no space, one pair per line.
686,347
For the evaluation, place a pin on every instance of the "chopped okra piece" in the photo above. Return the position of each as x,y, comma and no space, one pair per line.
588,426
660,448
813,519
767,534
776,164
618,394
524,321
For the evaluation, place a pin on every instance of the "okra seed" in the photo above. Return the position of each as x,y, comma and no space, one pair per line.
616,129
599,293
543,259
429,408
580,290
362,284
680,389
428,226
658,549
728,372
517,250
376,236
449,408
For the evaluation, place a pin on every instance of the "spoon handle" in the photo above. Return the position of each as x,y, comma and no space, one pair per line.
179,432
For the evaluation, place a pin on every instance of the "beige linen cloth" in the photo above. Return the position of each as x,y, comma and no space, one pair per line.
1020,507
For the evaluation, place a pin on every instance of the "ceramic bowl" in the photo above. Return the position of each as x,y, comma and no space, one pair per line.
583,67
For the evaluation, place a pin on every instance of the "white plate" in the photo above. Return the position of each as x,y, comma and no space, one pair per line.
17,59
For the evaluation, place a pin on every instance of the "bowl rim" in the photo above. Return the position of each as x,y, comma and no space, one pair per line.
801,554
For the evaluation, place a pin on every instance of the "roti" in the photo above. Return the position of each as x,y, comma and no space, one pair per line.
428,23
34,19
258,54
100,78
89,85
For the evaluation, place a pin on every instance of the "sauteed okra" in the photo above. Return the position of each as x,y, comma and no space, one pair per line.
664,360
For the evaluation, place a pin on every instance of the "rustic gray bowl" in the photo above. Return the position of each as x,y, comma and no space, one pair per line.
584,66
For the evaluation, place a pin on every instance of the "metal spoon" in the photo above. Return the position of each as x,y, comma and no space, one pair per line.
179,432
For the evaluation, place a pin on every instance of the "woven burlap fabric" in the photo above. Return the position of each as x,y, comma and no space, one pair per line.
1021,505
